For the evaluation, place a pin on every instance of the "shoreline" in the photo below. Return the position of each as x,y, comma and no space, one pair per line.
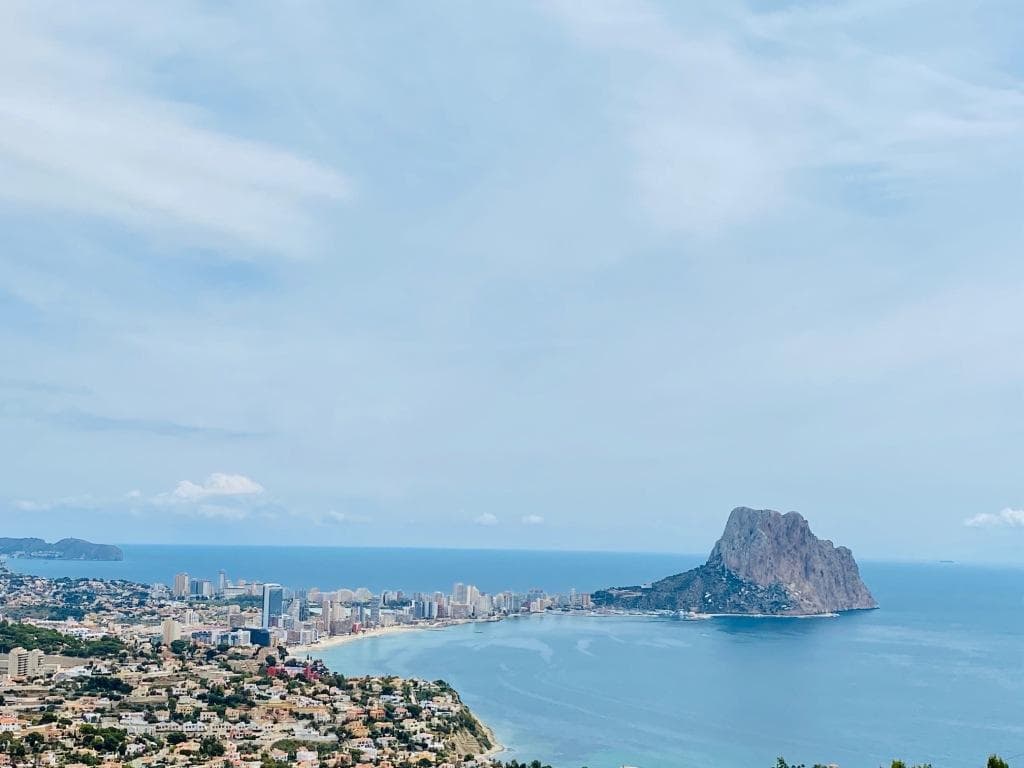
338,640
496,746
492,752
397,629
492,755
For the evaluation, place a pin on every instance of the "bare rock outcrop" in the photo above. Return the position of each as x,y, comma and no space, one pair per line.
764,563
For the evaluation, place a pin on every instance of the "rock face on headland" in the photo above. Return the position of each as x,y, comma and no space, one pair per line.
765,563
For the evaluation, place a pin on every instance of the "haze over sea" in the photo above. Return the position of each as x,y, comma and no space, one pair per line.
937,674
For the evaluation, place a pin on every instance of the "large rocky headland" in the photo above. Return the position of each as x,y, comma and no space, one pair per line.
765,563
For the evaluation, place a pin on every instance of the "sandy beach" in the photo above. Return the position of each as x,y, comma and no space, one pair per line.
336,640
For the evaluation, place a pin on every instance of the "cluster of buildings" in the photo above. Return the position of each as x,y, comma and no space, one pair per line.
268,614
23,594
153,707
19,663
194,674
225,613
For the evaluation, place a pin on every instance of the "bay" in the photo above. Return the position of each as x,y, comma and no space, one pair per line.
936,674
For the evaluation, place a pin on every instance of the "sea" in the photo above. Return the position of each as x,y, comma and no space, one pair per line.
935,675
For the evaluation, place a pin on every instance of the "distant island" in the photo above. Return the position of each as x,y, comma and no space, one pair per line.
765,563
65,549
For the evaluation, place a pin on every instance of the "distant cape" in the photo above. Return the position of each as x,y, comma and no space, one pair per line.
65,549
764,563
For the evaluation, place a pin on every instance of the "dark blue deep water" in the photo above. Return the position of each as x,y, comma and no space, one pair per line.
937,674
424,570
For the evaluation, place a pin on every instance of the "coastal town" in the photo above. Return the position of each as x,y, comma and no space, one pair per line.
200,672
244,613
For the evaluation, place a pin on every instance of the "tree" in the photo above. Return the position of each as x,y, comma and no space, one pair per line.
211,746
995,761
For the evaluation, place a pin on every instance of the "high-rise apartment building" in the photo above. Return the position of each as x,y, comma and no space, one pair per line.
182,584
273,604
170,631
22,663
201,588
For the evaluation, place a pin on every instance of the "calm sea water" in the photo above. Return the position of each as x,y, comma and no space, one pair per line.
937,674
412,570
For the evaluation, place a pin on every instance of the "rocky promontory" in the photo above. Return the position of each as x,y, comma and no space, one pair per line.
764,563
65,549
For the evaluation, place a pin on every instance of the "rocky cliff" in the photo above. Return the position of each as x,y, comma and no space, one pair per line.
765,563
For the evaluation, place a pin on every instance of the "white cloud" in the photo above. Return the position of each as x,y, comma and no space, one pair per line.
83,135
1007,518
486,519
532,520
27,505
217,484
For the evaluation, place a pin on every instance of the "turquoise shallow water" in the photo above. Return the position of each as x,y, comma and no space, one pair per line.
937,674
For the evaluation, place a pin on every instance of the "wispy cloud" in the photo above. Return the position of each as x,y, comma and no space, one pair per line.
1007,518
532,520
486,519
81,502
218,484
724,129
220,497
42,387
221,512
82,135
75,418
335,517
80,419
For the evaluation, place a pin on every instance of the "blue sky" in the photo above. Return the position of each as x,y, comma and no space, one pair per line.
553,274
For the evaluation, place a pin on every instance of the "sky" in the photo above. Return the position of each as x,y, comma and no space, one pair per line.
580,275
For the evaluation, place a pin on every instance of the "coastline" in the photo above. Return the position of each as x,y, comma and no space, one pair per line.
496,747
489,754
336,640
492,754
